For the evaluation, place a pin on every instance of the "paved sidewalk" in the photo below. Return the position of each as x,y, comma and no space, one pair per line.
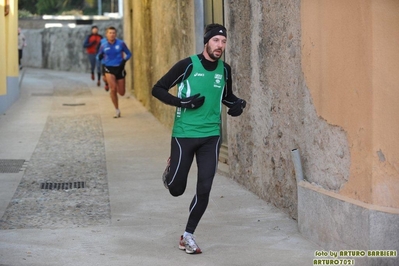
124,216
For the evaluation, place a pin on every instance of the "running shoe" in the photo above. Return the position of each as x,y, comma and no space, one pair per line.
106,87
166,173
98,83
92,76
189,245
117,114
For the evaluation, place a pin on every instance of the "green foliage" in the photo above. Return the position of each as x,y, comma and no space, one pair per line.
23,13
91,3
28,5
73,4
48,7
90,11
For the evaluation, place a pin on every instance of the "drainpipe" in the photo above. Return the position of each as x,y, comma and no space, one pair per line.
99,5
199,25
296,159
120,8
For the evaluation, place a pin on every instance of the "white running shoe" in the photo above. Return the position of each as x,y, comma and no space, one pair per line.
117,114
189,245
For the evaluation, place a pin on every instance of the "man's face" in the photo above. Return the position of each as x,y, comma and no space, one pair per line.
94,30
111,35
215,46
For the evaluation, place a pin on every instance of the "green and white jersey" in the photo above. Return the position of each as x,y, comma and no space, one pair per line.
204,121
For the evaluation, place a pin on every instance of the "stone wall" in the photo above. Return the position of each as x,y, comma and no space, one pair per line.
265,55
61,48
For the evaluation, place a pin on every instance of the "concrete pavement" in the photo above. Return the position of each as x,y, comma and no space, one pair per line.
143,221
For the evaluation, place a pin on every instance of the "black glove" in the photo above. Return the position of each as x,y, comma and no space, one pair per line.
122,65
192,102
237,107
100,56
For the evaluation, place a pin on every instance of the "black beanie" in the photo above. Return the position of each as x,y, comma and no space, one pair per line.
217,30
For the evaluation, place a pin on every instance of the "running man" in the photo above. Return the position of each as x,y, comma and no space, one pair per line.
204,83
91,44
111,53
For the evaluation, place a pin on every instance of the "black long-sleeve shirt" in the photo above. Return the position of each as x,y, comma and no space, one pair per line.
181,71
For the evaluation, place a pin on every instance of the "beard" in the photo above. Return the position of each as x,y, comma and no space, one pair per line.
212,53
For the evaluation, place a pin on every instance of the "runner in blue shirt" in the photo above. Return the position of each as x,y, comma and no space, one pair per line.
114,54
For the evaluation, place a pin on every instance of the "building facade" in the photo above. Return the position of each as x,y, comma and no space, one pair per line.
318,76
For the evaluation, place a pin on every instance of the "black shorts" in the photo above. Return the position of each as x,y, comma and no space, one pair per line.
118,72
103,69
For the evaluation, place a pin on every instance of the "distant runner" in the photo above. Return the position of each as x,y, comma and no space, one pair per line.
91,44
114,54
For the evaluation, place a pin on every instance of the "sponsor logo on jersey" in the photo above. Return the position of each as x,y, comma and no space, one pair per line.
199,74
218,78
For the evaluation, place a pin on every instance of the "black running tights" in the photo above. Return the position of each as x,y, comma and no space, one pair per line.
206,151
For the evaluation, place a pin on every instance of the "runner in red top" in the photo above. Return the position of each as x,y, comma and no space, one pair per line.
91,44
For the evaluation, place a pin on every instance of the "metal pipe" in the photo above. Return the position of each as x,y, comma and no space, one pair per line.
199,25
120,8
99,6
296,159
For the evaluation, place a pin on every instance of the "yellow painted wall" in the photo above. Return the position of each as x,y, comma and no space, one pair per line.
3,68
9,44
128,38
142,52
350,59
160,34
12,40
